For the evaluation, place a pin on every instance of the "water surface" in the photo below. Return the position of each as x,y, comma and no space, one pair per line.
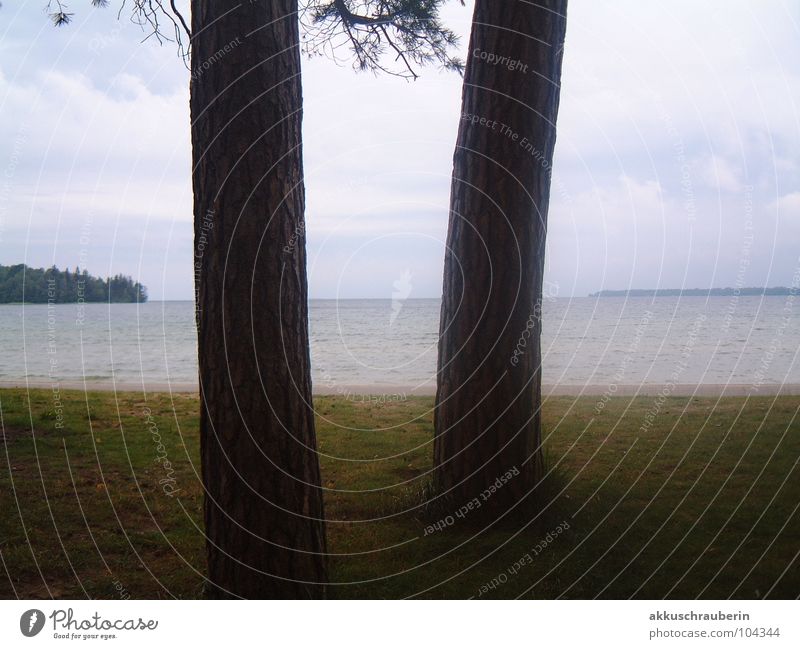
693,340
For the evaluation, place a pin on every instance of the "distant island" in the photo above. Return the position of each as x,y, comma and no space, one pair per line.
696,292
22,284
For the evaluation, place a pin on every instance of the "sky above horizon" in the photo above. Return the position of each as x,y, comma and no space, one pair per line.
676,163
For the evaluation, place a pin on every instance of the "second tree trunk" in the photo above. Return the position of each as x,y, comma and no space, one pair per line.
488,402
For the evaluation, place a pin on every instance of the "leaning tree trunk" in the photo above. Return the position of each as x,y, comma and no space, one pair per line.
263,505
488,402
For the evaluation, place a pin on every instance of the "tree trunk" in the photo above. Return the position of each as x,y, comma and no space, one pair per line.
488,402
263,505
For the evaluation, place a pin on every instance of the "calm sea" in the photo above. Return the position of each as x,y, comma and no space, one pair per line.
586,341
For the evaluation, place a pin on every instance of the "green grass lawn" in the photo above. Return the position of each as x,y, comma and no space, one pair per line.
702,503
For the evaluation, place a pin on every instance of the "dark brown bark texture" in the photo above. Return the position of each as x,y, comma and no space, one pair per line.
487,416
263,506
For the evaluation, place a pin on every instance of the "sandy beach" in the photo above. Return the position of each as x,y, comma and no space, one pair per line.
399,392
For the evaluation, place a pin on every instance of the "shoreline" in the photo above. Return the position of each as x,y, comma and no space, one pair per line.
400,392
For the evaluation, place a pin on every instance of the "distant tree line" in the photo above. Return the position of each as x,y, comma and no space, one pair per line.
21,283
694,292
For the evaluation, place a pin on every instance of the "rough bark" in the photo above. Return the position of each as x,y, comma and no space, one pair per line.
488,400
263,505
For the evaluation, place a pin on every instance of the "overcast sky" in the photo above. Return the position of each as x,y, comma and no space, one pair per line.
677,163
